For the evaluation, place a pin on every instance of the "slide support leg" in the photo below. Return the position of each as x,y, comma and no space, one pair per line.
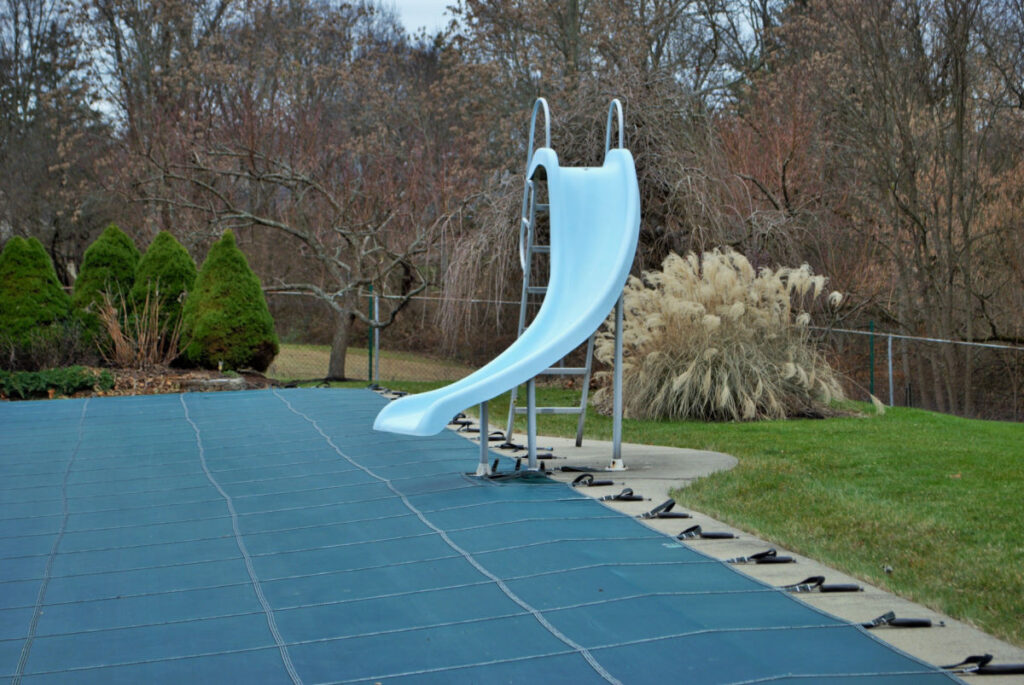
484,467
531,423
617,464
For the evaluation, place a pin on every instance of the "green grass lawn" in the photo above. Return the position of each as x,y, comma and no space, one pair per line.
303,362
938,498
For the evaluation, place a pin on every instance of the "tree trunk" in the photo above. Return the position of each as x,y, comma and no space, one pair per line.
339,345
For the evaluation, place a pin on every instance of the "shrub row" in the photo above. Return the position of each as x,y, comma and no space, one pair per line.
65,381
219,313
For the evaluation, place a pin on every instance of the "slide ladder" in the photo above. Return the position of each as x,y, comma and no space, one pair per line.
529,247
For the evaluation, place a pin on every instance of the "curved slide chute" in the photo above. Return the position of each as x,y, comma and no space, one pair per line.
595,224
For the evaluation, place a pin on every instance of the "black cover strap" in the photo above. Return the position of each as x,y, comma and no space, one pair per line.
696,532
664,511
840,587
587,480
625,496
769,556
981,664
889,619
809,584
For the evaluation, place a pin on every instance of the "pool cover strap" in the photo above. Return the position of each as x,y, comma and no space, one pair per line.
769,556
889,619
813,583
981,664
587,480
696,532
664,511
625,496
517,473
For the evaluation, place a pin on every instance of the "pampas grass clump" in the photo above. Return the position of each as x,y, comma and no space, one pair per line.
709,338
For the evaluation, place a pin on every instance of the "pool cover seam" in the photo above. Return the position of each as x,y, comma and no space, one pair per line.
241,650
209,538
147,460
166,476
267,609
232,558
393,595
358,569
135,525
537,615
195,487
697,562
277,579
819,676
525,613
41,596
198,519
271,511
237,497
292,607
711,631
458,667
220,537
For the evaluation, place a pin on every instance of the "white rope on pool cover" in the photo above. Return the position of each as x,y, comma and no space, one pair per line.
267,609
41,597
580,649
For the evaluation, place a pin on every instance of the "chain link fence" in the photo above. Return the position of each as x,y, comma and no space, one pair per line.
979,380
415,347
898,370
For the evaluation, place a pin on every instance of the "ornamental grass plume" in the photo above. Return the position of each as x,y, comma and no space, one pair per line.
710,338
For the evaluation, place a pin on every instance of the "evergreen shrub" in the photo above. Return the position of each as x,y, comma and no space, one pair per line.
108,267
709,338
52,382
168,271
34,309
225,317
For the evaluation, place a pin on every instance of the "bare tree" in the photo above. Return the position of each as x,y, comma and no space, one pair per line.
51,139
673,63
318,147
924,121
346,246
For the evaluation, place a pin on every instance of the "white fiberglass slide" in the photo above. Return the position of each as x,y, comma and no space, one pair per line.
595,224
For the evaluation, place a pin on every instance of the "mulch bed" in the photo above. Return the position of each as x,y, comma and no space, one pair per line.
164,380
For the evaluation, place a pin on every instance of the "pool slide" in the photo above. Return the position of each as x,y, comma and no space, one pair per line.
595,223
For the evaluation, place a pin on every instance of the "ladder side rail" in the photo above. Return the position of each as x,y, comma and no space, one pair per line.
527,221
585,389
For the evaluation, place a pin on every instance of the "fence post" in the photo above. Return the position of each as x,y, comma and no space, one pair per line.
889,345
376,341
369,341
871,356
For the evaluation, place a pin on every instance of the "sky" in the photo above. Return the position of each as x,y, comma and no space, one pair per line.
419,13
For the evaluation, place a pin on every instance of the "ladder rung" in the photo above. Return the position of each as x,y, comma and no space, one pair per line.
565,371
551,410
541,206
537,289
541,249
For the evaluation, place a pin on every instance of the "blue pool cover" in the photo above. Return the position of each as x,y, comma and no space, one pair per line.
272,536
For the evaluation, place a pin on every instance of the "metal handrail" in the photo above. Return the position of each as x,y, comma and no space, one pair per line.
527,214
615,106
539,103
